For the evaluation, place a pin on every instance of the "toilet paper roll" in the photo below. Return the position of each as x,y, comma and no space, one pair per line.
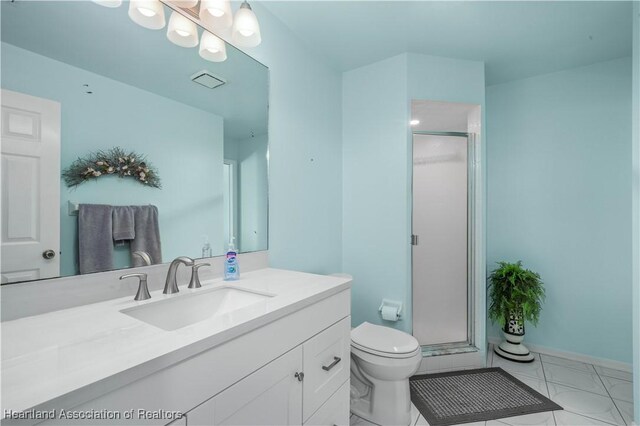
390,313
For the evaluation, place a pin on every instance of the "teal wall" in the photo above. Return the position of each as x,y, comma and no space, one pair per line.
120,115
636,209
305,155
375,107
558,183
253,190
377,170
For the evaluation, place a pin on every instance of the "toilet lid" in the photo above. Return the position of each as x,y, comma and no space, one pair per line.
383,339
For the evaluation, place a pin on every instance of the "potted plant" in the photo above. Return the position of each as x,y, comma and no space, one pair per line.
516,296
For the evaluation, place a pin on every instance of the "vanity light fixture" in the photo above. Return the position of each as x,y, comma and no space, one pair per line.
216,13
182,31
414,122
108,3
147,13
212,48
246,30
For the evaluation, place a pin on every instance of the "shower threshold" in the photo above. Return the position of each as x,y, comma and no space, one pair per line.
448,349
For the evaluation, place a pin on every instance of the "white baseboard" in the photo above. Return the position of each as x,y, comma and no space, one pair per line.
602,362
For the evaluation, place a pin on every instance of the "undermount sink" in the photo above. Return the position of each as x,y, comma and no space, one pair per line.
183,310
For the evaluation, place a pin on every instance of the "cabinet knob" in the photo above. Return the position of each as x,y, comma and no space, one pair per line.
299,376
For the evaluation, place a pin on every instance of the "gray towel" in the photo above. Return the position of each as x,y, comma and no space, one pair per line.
123,224
95,243
147,231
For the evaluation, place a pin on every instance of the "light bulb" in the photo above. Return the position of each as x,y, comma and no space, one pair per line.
246,29
108,3
414,122
186,4
212,48
182,31
147,13
216,13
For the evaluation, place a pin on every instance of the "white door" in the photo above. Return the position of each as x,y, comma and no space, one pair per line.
440,222
30,187
270,396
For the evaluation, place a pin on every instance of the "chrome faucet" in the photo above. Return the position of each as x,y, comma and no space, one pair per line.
171,285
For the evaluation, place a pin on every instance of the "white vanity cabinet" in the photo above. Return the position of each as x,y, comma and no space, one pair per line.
270,396
289,370
326,361
290,389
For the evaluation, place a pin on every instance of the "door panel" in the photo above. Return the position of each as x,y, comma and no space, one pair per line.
440,220
30,187
270,396
326,361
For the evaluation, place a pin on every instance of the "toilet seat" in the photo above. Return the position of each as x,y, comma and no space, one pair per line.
383,341
384,354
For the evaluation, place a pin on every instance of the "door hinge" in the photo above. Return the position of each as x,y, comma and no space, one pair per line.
414,240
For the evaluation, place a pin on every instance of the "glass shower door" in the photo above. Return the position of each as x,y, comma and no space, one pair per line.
440,224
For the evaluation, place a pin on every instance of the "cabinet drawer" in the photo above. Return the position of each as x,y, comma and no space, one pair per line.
334,412
325,361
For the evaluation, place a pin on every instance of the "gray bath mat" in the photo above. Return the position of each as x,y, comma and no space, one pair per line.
474,396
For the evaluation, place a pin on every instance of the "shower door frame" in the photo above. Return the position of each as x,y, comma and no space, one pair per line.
468,345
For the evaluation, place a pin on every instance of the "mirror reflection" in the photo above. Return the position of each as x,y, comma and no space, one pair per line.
124,146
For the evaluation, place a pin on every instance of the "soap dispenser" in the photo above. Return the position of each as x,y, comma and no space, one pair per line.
231,268
206,247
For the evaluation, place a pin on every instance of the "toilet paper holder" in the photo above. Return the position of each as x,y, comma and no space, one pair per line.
390,307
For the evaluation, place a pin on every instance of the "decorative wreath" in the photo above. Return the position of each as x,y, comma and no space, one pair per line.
112,162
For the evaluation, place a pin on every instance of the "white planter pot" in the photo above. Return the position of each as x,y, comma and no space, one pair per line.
513,349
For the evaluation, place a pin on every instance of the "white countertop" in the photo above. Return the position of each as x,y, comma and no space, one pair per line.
59,355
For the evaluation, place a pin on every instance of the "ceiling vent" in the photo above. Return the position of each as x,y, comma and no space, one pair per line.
207,79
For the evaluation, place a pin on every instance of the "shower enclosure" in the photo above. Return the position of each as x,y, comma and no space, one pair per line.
444,227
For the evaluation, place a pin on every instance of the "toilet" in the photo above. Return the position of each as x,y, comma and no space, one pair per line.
382,360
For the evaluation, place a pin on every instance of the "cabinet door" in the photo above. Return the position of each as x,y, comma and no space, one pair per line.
334,412
326,361
182,421
269,396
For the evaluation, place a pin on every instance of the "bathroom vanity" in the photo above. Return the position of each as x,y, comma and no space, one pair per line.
274,351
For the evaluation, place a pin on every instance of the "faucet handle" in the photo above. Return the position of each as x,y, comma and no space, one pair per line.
195,278
143,290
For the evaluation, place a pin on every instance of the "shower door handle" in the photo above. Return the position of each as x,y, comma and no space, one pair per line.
414,240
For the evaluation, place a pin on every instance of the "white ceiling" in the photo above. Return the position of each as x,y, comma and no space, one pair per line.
515,39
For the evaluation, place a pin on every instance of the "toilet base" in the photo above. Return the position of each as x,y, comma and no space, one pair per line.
385,409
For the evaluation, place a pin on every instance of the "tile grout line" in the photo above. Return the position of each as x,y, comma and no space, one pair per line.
612,400
546,384
568,411
590,418
577,388
593,371
583,390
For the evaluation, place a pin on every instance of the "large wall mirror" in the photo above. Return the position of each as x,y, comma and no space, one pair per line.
120,147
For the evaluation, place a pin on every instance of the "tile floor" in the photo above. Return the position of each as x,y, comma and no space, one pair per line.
590,395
